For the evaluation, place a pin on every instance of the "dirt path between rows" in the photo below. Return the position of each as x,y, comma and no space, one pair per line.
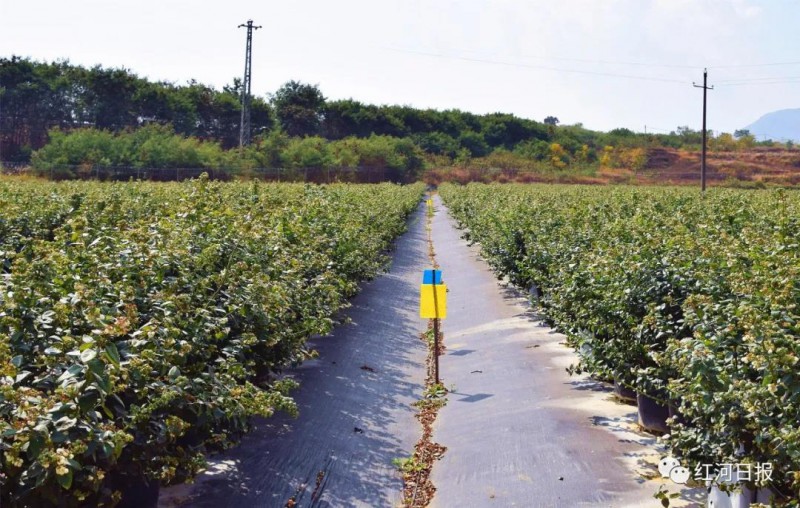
519,430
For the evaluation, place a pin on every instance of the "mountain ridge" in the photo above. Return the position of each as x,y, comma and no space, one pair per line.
781,125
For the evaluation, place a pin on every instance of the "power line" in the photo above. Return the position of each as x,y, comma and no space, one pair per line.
585,60
726,83
540,67
783,82
765,78
736,66
612,62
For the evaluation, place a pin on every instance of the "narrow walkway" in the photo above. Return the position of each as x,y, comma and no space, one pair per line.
519,430
355,409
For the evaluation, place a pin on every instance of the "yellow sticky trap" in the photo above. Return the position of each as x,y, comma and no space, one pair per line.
432,304
429,203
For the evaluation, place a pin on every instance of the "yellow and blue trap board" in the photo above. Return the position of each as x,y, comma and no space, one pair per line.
432,296
432,277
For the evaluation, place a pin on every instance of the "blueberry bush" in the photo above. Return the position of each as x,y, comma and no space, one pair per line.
691,300
143,325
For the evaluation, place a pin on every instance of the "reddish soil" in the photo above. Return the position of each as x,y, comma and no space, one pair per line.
767,165
665,166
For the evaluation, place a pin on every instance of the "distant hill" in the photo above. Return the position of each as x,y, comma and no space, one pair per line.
780,125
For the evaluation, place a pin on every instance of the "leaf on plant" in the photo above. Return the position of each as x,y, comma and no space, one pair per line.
88,355
35,445
97,366
71,372
65,480
113,354
88,400
65,423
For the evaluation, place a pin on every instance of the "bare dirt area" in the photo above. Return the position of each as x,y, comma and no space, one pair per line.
774,166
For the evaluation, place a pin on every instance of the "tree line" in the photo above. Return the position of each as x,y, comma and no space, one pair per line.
92,115
39,96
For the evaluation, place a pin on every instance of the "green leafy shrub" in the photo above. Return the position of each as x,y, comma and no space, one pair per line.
691,300
143,325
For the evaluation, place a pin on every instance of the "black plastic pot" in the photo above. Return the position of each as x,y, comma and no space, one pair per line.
675,414
603,379
652,414
624,394
535,293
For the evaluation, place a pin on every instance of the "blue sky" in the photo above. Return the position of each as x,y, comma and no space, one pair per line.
603,63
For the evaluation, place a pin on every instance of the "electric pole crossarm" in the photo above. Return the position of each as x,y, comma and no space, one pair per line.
705,88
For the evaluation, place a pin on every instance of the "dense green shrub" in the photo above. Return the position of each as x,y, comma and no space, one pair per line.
142,325
153,146
691,300
87,152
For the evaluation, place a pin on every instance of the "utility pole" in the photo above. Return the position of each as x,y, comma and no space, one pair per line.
705,88
244,129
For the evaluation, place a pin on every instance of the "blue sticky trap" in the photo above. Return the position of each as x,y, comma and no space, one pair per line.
432,277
